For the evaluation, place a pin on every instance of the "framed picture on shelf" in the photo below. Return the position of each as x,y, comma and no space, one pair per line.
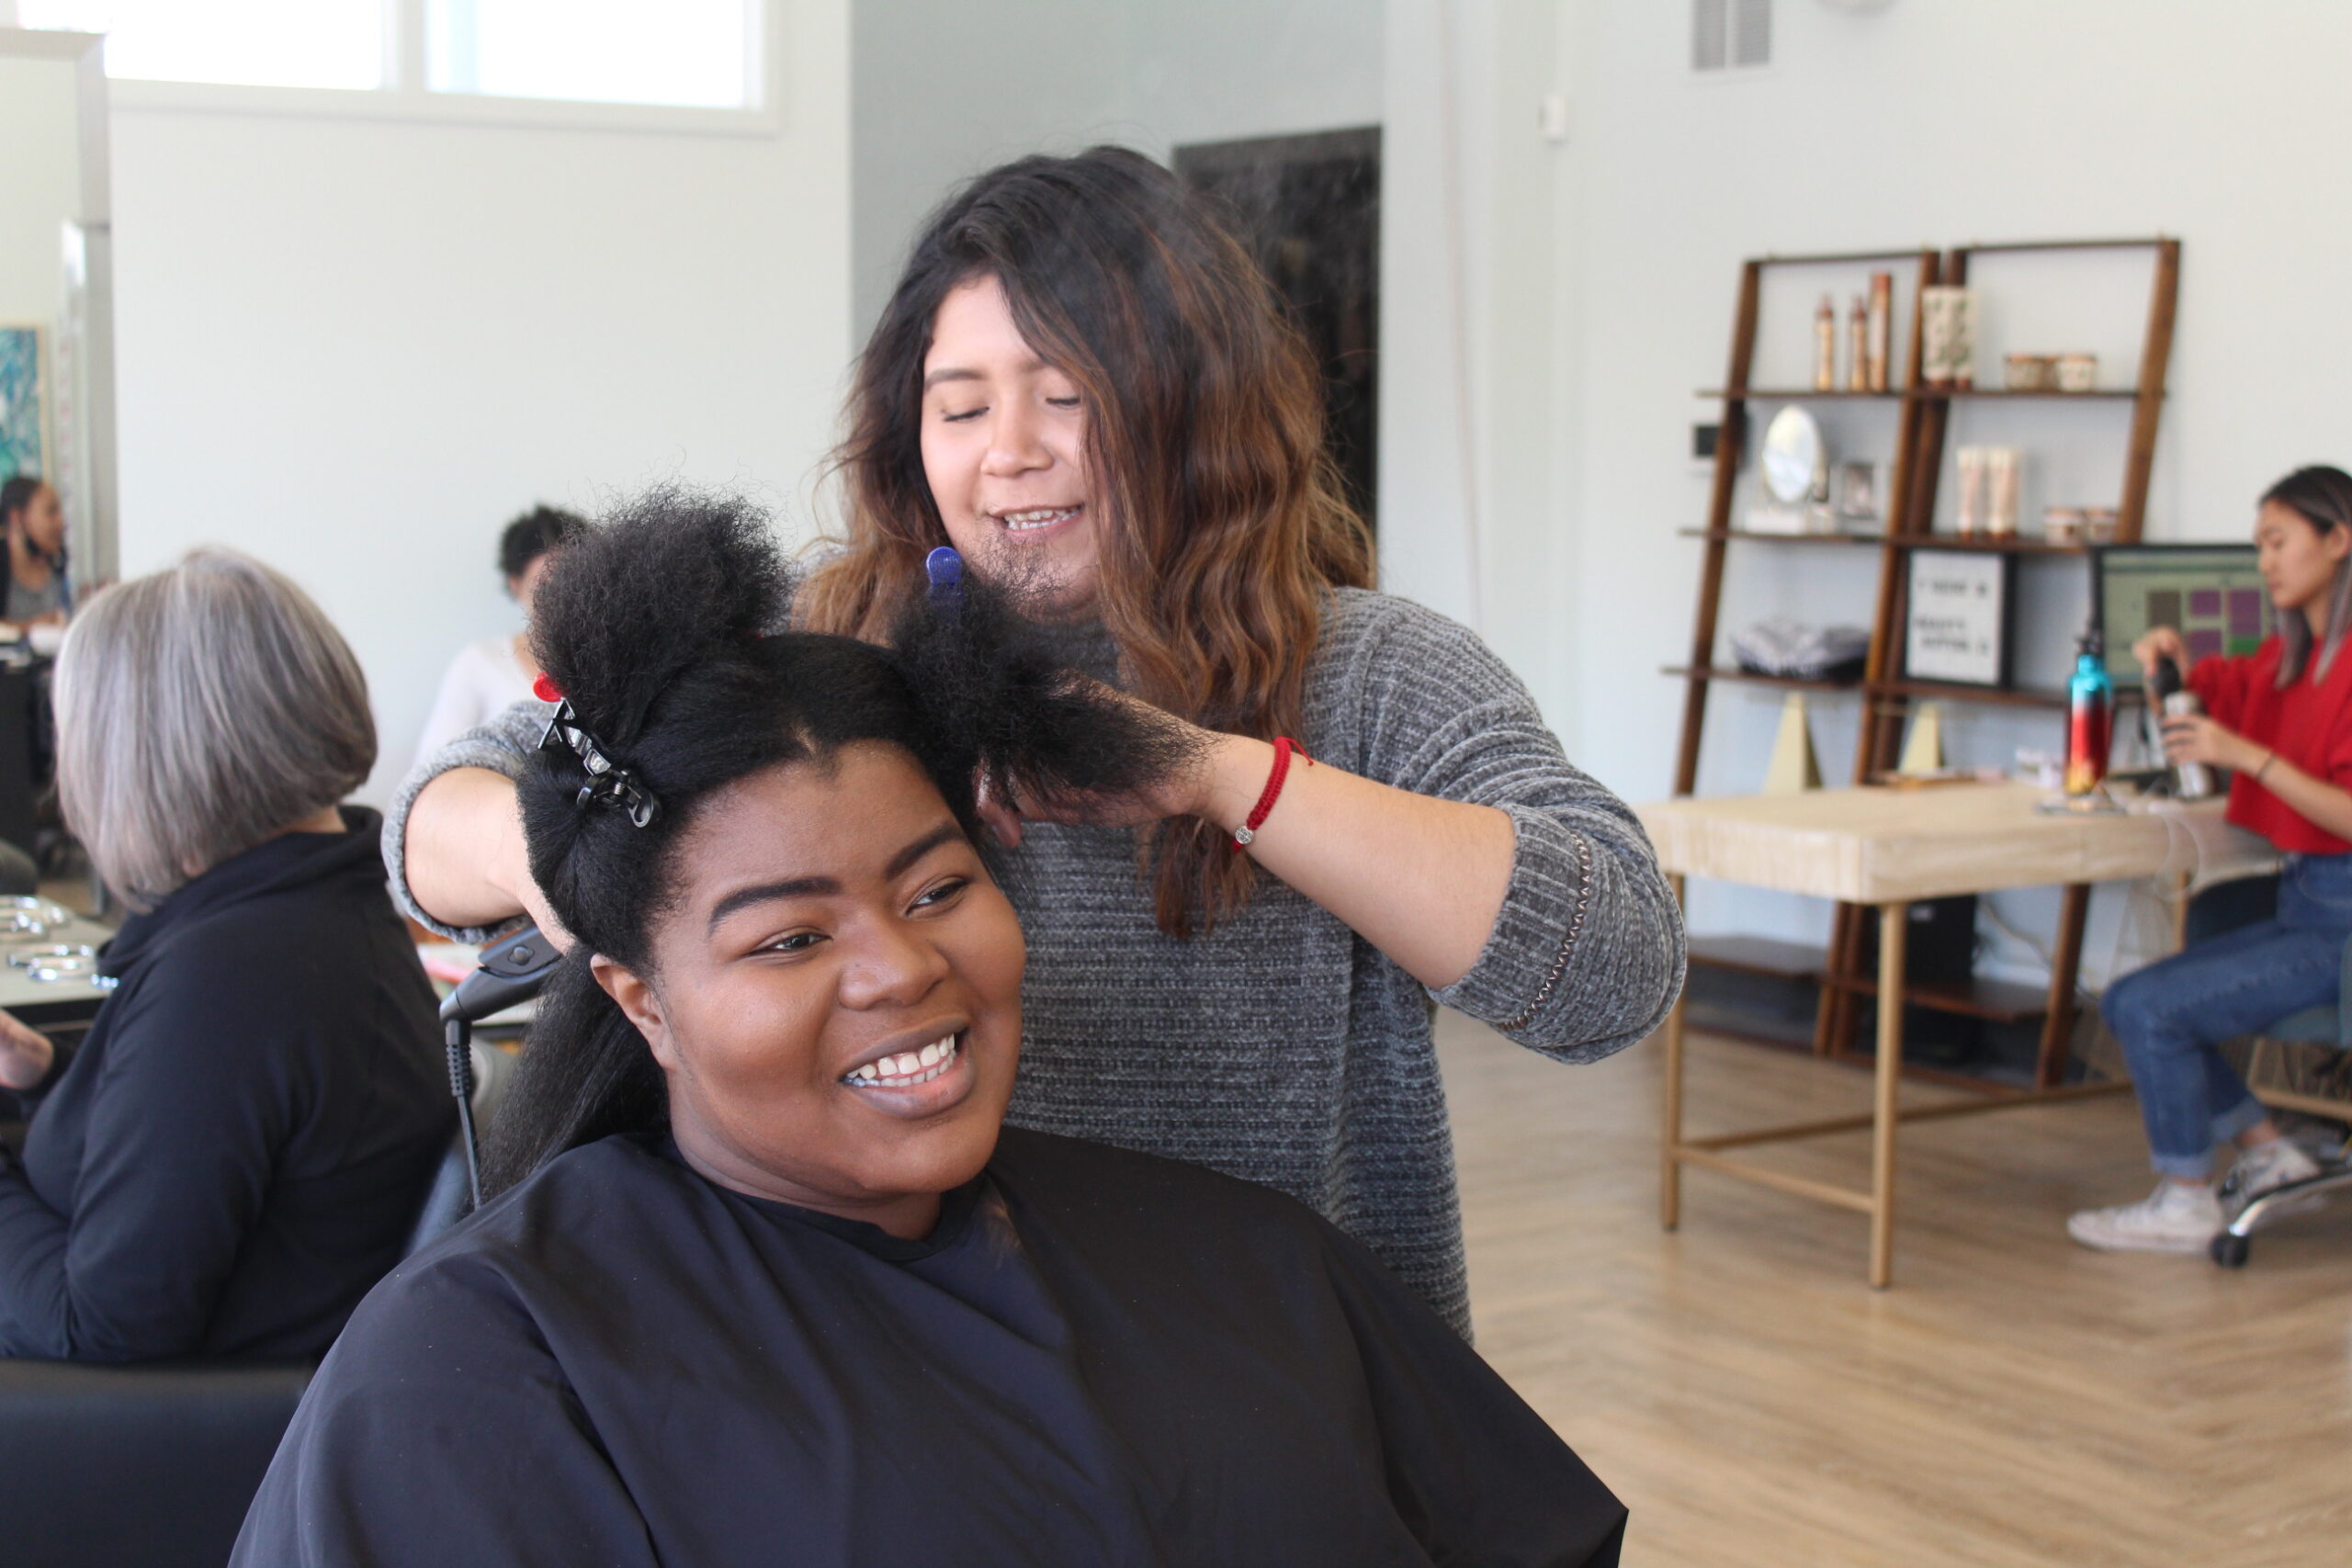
1961,606
1858,492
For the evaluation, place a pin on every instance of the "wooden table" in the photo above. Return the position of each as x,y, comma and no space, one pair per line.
1890,848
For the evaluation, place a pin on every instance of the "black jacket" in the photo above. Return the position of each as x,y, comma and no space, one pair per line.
240,1147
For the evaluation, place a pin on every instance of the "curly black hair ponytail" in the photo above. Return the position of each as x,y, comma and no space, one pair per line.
660,626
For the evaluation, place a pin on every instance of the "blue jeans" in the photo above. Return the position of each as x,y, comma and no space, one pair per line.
2171,1015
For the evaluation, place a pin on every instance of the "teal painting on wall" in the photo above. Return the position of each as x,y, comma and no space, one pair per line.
23,450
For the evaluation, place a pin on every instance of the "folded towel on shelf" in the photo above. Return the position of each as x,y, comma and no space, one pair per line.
1797,652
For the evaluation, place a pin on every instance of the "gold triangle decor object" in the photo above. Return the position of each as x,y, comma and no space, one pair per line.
1793,768
1923,749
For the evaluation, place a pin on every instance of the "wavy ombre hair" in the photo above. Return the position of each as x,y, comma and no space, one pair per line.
1221,520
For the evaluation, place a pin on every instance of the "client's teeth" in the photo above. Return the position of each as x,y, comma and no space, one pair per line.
907,1067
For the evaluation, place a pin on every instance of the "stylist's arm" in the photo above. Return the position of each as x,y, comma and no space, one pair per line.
464,858
1421,878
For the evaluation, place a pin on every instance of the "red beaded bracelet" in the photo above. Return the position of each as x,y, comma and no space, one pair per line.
1283,747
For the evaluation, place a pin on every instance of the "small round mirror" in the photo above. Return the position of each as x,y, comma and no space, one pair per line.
1796,460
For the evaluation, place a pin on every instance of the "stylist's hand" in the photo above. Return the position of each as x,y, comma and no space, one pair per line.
25,1054
1183,791
2193,738
2164,642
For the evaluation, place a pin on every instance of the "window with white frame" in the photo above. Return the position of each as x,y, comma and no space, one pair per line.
683,53
261,43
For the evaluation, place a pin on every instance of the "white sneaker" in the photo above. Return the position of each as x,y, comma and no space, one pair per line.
2266,1165
2176,1217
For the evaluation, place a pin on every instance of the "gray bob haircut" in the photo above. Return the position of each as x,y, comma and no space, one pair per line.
199,712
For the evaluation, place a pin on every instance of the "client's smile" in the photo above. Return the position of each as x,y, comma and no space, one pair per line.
906,1068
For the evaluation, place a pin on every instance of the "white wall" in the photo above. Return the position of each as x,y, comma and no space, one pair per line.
942,90
41,187
2222,124
355,348
1477,316
945,90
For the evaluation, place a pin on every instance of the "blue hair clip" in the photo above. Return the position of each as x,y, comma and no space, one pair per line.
945,568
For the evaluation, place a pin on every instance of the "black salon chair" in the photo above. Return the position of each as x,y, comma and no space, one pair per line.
154,1465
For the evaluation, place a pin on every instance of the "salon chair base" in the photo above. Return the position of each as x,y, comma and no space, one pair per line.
150,1466
2231,1246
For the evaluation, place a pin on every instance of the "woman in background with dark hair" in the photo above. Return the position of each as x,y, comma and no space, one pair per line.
490,676
2280,720
1084,385
40,591
774,1285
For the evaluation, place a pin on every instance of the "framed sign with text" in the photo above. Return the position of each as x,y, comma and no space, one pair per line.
1961,604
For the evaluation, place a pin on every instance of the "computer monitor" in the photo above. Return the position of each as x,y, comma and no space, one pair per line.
2210,593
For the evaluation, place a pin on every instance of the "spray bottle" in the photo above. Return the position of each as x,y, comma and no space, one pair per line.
2090,717
2190,781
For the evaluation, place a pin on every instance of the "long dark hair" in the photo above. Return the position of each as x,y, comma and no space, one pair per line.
2322,496
656,626
1227,520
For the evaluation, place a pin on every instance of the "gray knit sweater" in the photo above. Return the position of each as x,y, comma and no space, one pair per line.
1282,1047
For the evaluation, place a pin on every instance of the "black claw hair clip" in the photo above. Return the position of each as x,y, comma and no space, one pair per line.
607,782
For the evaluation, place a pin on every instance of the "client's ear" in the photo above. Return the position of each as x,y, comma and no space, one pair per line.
637,1003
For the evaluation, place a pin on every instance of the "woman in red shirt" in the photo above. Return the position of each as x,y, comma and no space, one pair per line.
2280,719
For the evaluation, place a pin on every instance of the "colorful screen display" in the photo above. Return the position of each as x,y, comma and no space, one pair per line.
2210,593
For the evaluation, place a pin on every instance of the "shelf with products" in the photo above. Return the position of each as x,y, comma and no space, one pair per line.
2008,544
1924,412
1919,394
1736,675
1772,538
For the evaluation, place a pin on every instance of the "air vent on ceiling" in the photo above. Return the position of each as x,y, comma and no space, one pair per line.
1730,35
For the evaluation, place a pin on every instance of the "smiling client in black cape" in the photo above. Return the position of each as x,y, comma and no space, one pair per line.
770,1281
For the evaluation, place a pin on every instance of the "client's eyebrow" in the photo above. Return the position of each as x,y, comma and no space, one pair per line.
818,886
945,833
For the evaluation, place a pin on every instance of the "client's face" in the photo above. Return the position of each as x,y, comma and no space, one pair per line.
836,995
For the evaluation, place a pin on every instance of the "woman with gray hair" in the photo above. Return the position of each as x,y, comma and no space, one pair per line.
238,1149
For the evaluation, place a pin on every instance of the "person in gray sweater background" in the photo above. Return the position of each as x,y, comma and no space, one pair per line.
1084,386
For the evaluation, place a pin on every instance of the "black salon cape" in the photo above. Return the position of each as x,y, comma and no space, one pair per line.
1097,1358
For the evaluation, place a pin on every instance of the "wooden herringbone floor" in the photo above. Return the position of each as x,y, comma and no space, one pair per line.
2014,1400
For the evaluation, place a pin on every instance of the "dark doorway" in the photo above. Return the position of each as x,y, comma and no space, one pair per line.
1308,208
